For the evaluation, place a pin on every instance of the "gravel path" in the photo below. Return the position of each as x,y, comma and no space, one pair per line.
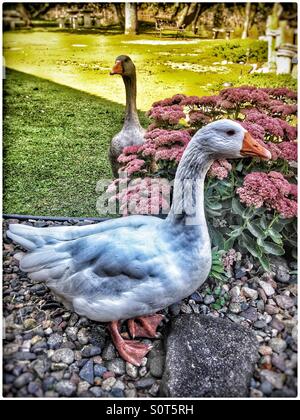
51,352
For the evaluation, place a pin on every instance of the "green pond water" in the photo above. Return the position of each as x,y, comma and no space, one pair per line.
83,61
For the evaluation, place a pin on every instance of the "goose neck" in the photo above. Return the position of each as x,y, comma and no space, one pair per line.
188,196
131,110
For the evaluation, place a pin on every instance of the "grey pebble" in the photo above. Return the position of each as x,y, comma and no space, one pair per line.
117,392
96,391
82,336
117,366
65,388
72,333
55,341
63,355
23,380
99,370
87,372
90,351
109,352
277,344
266,388
209,299
144,383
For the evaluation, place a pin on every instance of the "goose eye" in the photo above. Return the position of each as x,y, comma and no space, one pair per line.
230,132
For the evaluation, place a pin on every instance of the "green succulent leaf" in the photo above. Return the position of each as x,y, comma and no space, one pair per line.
216,237
275,236
271,248
264,222
213,205
251,245
255,229
240,166
263,259
237,208
236,232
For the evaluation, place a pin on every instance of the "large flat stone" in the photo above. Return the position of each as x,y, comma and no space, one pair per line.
208,357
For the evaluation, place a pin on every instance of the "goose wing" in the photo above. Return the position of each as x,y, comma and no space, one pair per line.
104,271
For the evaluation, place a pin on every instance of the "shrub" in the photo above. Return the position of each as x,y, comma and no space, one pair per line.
246,51
265,80
249,203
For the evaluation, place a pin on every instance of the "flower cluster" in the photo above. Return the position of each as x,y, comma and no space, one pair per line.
256,130
245,95
198,118
274,128
271,190
167,114
219,169
267,111
134,166
165,144
175,100
141,195
280,93
229,258
288,150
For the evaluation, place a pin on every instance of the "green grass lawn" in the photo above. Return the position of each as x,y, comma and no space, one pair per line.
62,108
55,146
164,66
83,61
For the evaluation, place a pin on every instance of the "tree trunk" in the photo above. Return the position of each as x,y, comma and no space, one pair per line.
194,24
183,14
42,9
21,8
131,22
189,15
247,20
176,10
119,14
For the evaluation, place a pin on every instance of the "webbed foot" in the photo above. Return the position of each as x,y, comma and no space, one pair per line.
145,326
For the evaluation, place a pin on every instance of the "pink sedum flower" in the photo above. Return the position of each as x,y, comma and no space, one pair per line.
219,169
175,100
229,258
143,196
271,190
134,166
288,150
167,114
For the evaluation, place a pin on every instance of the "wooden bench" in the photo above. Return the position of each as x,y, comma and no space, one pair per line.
217,31
162,24
12,19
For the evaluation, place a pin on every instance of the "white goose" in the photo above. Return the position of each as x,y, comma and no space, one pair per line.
135,266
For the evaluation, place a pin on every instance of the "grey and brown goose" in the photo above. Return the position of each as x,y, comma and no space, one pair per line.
132,132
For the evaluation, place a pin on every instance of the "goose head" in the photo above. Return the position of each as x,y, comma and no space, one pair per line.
226,139
123,66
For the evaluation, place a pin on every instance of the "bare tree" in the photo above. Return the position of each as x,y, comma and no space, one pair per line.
247,20
183,14
119,13
189,15
196,18
176,9
131,22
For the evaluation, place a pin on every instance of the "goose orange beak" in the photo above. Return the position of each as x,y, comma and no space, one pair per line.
252,147
117,68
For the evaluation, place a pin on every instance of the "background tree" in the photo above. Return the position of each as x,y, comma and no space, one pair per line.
120,13
219,15
131,22
247,20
